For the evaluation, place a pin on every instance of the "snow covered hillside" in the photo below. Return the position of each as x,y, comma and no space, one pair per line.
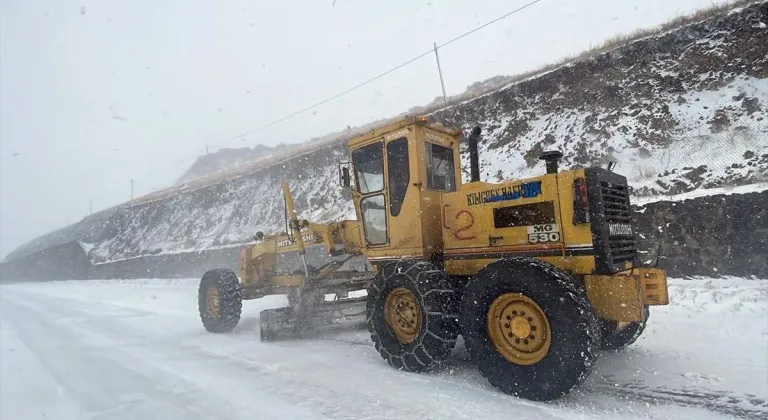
228,159
678,111
681,111
136,349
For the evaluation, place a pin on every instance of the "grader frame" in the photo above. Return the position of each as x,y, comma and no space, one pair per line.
531,272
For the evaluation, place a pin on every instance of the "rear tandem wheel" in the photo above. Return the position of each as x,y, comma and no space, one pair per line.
412,315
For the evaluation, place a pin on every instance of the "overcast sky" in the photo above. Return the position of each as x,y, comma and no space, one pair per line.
94,93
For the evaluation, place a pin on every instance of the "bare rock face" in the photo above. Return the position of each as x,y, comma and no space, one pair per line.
711,236
751,105
678,111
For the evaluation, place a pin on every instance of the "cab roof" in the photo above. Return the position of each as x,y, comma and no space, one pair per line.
397,125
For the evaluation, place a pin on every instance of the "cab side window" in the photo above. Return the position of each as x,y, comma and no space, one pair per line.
398,173
374,219
440,168
369,168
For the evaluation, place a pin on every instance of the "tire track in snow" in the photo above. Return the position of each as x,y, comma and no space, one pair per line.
104,386
723,402
325,396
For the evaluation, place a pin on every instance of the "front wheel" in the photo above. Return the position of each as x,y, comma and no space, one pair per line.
220,300
529,328
412,315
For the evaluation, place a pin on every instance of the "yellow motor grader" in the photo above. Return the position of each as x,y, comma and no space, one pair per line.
536,274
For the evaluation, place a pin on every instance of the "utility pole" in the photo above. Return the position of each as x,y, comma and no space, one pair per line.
131,202
440,72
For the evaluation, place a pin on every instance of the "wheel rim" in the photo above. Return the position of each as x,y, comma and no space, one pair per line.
519,329
212,302
403,314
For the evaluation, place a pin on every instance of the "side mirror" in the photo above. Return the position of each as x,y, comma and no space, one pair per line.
344,178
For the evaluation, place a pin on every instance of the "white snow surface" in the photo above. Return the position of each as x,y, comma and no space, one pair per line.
741,189
135,349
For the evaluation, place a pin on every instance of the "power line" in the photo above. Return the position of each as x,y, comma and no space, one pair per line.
523,7
287,117
372,79
324,101
351,89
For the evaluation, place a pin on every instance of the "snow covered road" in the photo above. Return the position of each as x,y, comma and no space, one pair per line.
135,349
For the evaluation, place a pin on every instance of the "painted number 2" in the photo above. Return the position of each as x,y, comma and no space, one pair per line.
461,233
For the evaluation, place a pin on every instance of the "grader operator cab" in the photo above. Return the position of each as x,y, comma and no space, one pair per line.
536,274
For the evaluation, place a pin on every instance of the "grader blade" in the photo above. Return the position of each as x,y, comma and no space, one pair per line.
298,321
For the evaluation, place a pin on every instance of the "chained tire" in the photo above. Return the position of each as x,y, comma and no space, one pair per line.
615,337
220,300
529,328
412,315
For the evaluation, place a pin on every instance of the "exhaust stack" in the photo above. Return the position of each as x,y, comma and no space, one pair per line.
552,158
474,157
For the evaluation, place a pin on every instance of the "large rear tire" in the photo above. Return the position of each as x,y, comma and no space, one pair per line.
220,300
618,336
412,315
530,328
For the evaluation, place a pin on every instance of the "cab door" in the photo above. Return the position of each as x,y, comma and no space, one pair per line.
389,197
371,200
403,210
